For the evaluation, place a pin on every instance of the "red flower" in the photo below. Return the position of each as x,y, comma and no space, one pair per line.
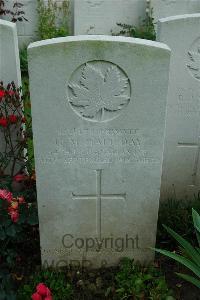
48,298
20,177
42,289
12,119
14,215
23,120
2,93
6,195
36,296
11,92
3,122
48,292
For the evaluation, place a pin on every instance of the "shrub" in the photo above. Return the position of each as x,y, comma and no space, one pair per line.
13,158
52,19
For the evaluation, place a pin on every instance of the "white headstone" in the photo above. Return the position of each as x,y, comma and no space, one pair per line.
181,177
9,53
102,16
167,8
9,60
98,109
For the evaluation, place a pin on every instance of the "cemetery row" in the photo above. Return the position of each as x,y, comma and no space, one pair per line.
106,147
115,123
98,16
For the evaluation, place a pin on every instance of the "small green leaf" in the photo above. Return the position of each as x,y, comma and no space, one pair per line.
190,279
189,249
11,231
184,261
196,221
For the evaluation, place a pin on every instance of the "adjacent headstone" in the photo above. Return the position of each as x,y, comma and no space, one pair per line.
102,16
9,53
9,60
181,172
28,30
167,8
98,109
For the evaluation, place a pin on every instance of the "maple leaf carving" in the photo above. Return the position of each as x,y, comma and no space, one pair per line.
194,65
97,92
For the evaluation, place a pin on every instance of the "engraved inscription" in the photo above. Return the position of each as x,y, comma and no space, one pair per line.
99,197
194,59
98,91
95,3
104,146
188,103
169,1
196,161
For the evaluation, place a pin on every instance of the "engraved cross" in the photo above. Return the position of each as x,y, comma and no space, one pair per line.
99,197
197,157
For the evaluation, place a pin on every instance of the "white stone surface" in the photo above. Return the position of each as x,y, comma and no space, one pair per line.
9,61
98,108
102,16
9,53
181,177
167,8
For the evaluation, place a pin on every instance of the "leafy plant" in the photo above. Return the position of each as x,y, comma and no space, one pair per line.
145,31
16,14
177,215
17,216
56,281
24,62
190,257
52,19
136,282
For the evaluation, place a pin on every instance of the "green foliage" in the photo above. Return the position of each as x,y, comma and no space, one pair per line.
24,61
136,282
52,19
16,237
30,164
55,280
145,31
177,215
190,257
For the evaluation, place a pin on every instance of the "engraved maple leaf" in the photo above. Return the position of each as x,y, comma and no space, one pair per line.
194,65
97,92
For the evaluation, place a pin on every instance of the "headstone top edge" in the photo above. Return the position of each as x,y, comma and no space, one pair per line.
7,23
98,38
178,18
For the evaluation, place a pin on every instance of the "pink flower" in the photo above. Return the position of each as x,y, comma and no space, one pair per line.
36,296
21,199
6,195
42,289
